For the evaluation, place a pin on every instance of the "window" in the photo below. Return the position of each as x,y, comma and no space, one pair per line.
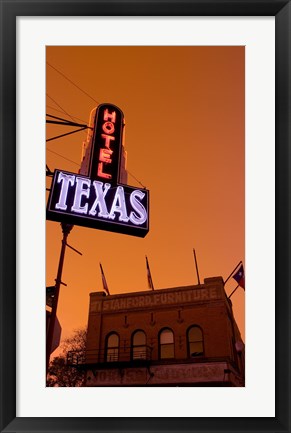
112,348
195,342
138,345
166,344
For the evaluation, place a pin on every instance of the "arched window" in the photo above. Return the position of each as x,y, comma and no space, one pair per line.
139,341
112,348
195,342
166,344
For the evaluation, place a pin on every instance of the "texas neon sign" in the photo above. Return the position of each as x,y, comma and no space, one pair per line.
95,198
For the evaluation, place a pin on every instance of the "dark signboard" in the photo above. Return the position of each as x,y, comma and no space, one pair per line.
80,200
50,294
106,144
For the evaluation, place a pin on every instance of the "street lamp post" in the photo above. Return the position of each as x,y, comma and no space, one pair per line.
66,228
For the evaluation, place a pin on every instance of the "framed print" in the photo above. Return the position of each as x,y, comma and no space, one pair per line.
202,171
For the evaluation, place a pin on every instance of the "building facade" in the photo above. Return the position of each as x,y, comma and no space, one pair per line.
182,336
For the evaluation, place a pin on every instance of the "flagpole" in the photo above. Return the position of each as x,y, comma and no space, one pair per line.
233,291
232,272
149,275
196,266
104,282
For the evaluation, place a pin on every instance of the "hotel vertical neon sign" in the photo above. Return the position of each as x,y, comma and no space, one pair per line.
106,146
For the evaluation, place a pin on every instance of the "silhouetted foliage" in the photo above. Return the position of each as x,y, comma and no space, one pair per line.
59,373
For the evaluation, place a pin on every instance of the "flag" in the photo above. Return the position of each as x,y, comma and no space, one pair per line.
239,276
150,281
105,287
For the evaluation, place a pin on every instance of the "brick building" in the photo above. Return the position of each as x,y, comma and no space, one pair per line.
182,336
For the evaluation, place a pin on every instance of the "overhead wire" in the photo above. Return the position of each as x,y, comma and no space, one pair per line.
70,81
62,121
89,96
64,111
56,153
67,133
136,179
60,111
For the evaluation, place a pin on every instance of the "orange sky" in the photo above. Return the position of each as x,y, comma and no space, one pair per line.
184,136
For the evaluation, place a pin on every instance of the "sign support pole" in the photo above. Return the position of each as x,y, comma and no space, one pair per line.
66,228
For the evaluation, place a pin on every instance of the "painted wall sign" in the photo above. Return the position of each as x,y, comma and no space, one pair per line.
153,300
162,374
80,200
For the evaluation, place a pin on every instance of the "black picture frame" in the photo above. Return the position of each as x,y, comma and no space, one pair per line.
10,9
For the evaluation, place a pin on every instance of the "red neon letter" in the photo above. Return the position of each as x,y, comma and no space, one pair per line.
100,172
111,116
108,127
104,155
108,138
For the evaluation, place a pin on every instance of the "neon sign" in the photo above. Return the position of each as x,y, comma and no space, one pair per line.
106,143
95,198
79,200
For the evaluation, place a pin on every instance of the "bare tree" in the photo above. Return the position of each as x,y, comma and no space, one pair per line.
59,373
